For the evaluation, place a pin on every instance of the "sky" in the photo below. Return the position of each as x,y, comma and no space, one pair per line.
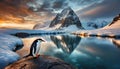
87,10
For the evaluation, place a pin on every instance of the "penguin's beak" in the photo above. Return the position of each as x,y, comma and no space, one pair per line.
43,40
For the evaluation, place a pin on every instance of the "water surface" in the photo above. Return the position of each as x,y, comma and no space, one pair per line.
83,53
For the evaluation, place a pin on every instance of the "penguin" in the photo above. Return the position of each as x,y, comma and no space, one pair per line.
35,48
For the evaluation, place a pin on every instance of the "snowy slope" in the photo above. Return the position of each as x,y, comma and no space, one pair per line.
9,44
115,23
112,29
65,20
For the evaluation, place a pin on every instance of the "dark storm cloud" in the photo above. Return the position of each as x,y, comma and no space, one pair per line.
105,9
14,3
85,2
90,9
47,5
13,10
59,4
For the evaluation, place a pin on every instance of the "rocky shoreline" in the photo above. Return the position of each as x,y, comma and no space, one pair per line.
43,62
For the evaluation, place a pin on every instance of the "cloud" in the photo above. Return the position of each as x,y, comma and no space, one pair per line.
15,3
55,5
47,5
105,9
51,7
86,9
13,11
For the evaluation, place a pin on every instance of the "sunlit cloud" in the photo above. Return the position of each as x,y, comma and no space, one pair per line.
41,11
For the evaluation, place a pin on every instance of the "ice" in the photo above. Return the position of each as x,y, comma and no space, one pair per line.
8,45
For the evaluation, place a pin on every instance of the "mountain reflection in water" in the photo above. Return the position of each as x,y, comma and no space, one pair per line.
83,53
66,43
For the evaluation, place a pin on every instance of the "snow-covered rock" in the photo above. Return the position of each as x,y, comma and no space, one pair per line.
114,24
9,44
112,30
65,19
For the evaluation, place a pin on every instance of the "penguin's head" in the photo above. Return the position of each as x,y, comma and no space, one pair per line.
40,39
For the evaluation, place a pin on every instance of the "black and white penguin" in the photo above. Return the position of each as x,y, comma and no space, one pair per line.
35,48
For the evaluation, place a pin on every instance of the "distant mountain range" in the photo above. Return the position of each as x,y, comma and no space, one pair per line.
96,25
68,20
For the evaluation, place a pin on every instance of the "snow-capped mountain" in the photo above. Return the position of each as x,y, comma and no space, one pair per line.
96,25
115,23
112,29
65,19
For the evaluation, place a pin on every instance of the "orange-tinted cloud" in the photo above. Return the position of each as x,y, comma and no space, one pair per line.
13,10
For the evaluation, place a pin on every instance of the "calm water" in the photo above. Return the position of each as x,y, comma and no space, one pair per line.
83,53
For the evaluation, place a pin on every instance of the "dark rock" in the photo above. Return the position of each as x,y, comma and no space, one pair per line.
115,19
43,62
66,18
22,34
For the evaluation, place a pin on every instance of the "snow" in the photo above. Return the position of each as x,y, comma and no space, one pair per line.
70,28
55,27
113,29
116,25
8,44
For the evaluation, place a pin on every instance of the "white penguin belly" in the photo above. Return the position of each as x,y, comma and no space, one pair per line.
37,48
36,52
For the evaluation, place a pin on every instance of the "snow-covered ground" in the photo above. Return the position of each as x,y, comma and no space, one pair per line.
113,29
9,44
66,29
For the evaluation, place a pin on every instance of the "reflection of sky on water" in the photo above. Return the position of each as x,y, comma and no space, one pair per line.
86,53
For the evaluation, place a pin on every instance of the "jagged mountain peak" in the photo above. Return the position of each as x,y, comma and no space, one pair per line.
67,12
68,9
66,18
